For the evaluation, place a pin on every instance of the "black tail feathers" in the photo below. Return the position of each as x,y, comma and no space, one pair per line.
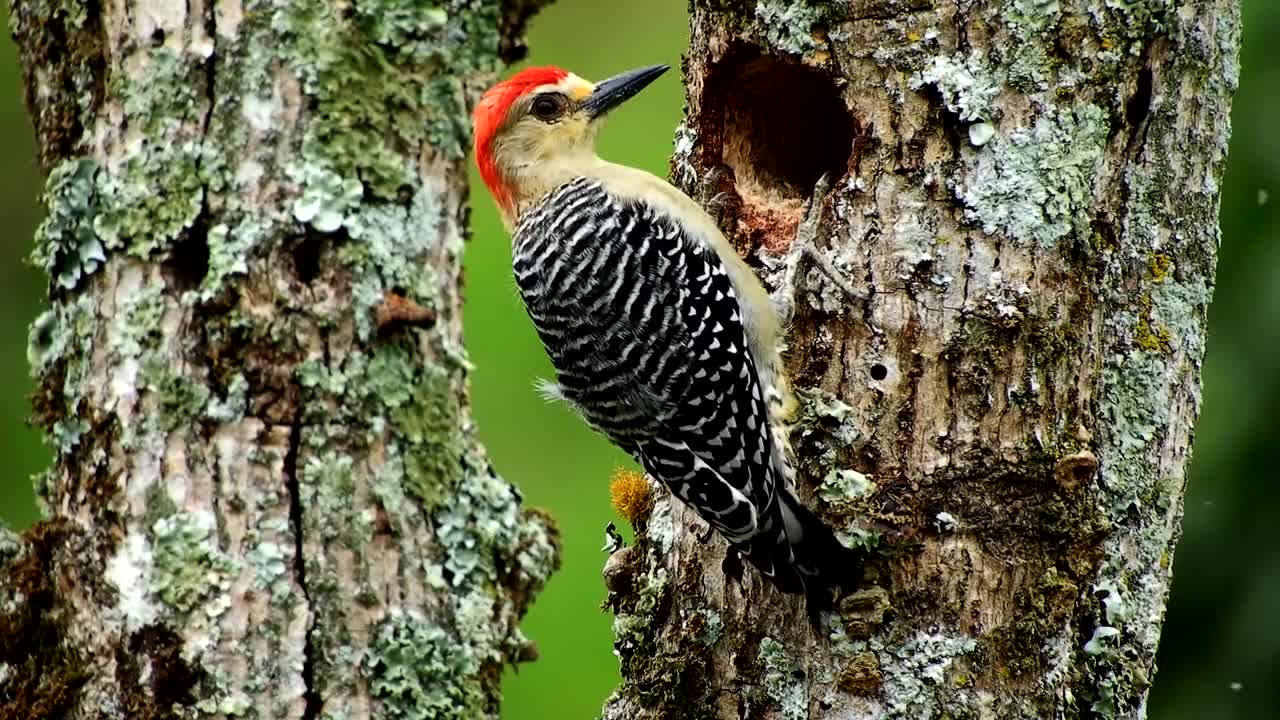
801,555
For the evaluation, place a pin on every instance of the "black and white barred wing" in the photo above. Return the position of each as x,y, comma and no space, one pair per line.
645,332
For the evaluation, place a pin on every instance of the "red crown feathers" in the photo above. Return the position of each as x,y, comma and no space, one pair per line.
492,110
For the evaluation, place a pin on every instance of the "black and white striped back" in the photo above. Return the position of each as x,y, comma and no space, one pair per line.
645,331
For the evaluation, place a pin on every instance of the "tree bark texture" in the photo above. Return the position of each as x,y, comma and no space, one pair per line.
268,499
999,366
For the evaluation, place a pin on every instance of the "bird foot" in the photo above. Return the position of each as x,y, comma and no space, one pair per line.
804,248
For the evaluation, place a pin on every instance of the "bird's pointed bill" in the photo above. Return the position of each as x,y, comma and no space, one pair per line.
611,93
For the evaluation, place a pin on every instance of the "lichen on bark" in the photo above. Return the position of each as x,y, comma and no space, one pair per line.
1001,384
271,495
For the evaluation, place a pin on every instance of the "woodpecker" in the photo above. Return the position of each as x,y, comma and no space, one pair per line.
662,338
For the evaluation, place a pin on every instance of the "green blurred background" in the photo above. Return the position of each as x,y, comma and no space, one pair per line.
1220,655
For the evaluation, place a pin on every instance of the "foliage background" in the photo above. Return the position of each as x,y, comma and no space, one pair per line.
1220,655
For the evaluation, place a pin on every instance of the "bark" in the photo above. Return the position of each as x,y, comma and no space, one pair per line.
268,498
1000,373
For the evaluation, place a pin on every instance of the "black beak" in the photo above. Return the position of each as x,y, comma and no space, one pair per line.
620,88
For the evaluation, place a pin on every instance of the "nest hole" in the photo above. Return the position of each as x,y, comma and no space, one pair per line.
784,126
188,260
306,258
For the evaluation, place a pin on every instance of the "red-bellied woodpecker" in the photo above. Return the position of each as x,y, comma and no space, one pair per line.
661,336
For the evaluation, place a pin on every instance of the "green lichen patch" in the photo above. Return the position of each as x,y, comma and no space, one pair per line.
390,377
158,504
419,671
388,488
67,247
429,419
1132,586
1148,187
150,199
842,487
181,400
65,434
56,348
383,82
633,625
826,422
229,249
155,191
11,545
327,484
316,376
968,85
135,329
1180,307
1133,405
1125,21
711,629
1029,69
1035,186
480,517
1032,15
533,555
327,200
795,27
419,668
189,570
915,672
783,680
432,467
392,242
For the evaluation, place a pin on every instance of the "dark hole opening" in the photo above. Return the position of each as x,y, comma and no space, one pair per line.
785,125
172,679
188,261
879,372
956,129
306,258
1139,104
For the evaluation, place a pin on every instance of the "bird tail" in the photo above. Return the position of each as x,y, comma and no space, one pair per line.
801,555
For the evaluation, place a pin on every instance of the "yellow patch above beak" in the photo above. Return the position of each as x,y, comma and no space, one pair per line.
577,88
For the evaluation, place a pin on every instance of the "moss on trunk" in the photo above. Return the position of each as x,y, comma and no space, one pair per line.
278,505
1002,380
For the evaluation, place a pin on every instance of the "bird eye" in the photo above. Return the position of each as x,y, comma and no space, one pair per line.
547,107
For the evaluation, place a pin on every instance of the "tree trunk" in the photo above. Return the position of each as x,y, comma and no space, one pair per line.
997,342
268,498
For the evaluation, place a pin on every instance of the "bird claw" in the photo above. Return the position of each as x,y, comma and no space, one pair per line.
804,247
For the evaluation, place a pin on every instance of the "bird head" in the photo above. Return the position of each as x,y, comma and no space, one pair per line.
533,127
